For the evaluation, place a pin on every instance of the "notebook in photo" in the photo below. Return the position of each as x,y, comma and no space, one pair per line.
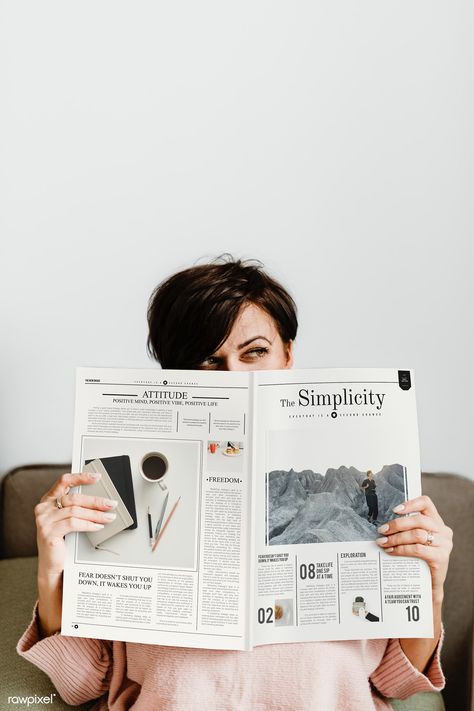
119,470
105,487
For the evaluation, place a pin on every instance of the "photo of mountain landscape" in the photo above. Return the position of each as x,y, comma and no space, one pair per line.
309,507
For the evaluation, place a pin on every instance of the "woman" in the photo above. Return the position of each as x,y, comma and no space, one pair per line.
227,315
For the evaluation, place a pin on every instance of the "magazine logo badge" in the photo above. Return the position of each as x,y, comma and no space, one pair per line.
404,379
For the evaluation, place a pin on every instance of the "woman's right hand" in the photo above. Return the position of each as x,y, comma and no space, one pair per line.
77,512
60,512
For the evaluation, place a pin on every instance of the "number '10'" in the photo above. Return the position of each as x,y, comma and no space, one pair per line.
413,612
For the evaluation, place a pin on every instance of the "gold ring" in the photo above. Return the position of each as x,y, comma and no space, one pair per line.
429,538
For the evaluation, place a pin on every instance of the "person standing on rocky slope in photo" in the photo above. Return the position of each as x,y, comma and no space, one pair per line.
369,487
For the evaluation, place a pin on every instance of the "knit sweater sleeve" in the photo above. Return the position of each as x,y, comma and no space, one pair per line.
79,668
397,678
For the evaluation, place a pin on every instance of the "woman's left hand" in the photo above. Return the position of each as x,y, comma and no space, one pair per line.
410,536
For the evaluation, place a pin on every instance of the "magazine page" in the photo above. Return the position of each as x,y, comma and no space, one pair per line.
337,450
172,448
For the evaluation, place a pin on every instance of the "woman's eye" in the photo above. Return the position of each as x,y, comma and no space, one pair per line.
210,361
256,352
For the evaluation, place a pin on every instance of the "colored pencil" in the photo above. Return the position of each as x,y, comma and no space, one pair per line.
165,524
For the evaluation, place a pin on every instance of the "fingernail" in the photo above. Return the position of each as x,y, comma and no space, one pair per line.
110,503
110,516
383,528
388,550
398,508
94,475
97,525
382,540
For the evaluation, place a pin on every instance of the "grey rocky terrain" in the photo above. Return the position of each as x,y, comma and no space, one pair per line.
308,507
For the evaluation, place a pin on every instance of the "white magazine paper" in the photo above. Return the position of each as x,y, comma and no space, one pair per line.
256,528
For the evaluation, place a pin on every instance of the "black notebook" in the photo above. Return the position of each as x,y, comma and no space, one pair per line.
119,470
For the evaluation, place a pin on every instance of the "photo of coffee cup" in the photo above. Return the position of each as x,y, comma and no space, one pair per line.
154,467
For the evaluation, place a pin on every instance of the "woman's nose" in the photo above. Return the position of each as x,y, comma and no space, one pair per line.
232,362
231,365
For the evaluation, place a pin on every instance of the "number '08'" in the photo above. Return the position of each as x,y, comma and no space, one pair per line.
307,571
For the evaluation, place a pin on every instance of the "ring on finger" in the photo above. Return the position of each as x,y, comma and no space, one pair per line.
429,538
58,503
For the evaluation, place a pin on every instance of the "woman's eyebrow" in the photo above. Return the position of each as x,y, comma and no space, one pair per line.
242,345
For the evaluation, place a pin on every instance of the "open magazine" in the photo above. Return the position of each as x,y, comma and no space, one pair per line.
248,507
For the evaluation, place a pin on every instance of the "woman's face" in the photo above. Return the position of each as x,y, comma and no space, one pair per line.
253,344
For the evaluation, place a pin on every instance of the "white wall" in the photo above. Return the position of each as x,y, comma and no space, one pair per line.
333,141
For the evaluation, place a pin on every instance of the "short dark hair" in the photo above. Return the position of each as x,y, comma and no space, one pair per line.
191,313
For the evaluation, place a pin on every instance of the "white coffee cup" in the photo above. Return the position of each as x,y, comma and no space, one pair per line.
154,467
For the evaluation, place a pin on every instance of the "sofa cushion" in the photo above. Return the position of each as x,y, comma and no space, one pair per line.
19,678
430,701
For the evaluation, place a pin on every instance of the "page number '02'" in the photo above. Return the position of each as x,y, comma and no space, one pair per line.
265,615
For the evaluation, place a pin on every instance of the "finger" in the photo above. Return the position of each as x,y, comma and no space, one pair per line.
422,504
59,515
414,535
88,502
74,523
405,523
67,481
416,550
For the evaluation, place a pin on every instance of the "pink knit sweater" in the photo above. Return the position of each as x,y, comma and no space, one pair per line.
326,676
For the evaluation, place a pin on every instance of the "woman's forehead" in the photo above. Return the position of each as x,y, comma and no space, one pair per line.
251,322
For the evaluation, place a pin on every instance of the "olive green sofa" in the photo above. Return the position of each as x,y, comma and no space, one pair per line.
22,488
